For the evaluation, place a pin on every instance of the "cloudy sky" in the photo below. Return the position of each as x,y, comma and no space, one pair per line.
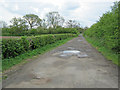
86,12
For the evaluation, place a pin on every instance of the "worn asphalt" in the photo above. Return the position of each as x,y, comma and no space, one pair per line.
56,70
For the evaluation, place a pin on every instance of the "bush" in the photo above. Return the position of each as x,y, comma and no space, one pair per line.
67,30
19,31
106,30
14,47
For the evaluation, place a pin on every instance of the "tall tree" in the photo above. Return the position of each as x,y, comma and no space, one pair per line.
32,20
44,23
54,19
14,21
19,23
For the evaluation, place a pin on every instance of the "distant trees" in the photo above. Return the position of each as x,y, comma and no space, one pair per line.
44,23
85,28
31,24
54,19
18,23
32,20
14,21
72,24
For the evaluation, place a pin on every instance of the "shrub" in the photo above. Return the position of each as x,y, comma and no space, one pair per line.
19,31
14,47
106,30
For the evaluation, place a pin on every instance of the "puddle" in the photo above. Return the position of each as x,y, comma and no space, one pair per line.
68,53
64,55
71,52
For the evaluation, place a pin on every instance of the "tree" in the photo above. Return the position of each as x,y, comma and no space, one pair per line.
115,6
106,31
3,24
54,19
72,24
85,28
19,23
44,23
32,20
14,21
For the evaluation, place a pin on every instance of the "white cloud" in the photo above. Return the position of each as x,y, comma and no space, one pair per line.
35,9
16,7
6,15
85,11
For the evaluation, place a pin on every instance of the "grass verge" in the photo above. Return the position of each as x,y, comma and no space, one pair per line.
110,55
8,63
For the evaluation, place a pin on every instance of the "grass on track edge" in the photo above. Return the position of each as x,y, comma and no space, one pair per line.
108,54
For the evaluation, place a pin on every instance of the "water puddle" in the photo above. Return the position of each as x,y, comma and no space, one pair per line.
70,52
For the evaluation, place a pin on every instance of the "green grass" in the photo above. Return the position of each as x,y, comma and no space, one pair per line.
110,55
8,63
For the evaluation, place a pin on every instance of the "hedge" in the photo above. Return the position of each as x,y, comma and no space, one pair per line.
13,31
106,30
12,47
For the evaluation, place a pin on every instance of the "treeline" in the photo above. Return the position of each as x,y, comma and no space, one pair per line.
31,24
105,31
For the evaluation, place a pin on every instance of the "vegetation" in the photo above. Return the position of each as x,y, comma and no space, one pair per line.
39,31
36,34
40,35
54,19
31,24
12,47
7,63
32,20
104,34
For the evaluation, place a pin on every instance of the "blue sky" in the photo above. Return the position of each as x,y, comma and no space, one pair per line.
87,12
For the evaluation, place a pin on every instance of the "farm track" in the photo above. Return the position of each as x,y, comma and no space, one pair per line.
53,70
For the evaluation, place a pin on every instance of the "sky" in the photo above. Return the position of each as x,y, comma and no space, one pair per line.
86,12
